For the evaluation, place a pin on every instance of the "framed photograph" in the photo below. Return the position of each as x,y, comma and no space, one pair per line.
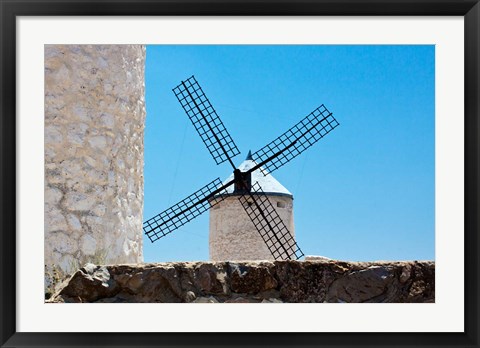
98,153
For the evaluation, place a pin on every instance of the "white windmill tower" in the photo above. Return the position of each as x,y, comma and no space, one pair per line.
233,235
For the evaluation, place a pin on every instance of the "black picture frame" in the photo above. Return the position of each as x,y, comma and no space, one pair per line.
9,337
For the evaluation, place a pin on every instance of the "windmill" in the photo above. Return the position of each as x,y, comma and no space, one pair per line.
219,143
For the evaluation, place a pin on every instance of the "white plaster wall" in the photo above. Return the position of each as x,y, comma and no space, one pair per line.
233,236
94,125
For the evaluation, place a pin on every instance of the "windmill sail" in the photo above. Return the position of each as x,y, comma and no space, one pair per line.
273,231
206,121
187,209
297,139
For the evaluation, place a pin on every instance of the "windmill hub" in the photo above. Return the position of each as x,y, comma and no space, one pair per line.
243,182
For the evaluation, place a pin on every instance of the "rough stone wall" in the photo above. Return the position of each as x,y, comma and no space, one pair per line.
255,282
233,236
94,125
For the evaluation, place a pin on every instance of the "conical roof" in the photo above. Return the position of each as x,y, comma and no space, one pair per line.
268,183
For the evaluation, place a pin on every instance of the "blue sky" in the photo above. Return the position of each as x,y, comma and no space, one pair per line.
364,192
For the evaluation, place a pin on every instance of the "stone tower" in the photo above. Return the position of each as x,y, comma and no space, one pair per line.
94,125
233,236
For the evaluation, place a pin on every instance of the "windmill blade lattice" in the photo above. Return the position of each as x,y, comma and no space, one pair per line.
184,211
273,231
297,139
206,121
